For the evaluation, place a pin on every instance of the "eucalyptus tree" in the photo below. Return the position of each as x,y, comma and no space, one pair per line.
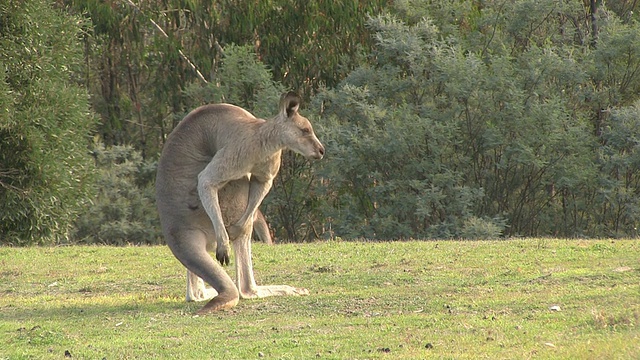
142,56
45,122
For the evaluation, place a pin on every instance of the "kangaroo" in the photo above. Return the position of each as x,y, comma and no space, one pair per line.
261,228
215,169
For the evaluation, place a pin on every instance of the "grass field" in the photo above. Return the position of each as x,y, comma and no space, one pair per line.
517,299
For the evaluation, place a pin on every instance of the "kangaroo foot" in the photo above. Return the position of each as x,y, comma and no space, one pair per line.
197,290
201,294
273,290
218,303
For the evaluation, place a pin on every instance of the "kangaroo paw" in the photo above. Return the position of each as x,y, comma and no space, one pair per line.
222,257
222,253
201,294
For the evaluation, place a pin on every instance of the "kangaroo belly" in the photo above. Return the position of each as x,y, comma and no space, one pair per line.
180,203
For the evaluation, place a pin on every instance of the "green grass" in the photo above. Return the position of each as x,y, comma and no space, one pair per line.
392,300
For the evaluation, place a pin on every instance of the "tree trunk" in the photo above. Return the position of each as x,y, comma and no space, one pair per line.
593,16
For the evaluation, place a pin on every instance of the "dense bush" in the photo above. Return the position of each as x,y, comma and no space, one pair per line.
45,170
510,120
123,210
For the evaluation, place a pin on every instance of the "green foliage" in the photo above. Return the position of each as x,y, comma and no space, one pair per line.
392,148
292,206
241,80
482,124
45,171
123,210
138,75
305,43
441,119
619,159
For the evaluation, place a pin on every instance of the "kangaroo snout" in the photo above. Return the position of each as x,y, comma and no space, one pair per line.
309,147
315,149
320,153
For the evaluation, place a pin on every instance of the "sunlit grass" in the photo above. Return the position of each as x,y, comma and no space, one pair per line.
531,298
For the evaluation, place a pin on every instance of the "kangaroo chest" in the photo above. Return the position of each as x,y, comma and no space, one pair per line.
268,168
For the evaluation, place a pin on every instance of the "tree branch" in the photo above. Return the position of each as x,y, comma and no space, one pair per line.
184,57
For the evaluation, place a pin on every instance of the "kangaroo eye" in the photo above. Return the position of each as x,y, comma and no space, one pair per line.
305,131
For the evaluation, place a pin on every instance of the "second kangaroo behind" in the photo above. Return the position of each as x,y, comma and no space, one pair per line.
216,146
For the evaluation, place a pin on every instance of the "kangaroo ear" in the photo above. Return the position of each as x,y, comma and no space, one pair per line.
289,103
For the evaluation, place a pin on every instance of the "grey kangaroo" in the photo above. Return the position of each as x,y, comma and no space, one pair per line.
215,169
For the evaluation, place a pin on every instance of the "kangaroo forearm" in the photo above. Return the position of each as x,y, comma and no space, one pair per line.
257,192
211,205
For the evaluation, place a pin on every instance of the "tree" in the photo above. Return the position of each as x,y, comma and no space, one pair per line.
45,169
138,76
474,119
306,43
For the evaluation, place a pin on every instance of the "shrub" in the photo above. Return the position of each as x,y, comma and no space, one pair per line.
45,170
123,210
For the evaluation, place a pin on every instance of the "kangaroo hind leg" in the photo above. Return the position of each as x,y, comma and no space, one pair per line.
190,248
244,274
197,289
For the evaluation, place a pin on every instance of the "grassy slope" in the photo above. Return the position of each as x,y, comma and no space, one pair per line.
458,300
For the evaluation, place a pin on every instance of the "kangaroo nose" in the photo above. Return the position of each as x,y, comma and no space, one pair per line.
321,152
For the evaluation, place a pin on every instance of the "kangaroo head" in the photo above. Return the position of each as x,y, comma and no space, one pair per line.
297,131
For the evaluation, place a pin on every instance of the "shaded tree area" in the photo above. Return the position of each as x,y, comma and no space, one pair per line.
142,80
441,119
137,74
45,169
